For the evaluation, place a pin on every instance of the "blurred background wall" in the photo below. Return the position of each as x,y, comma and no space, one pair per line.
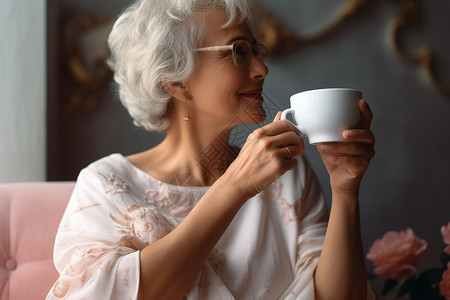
407,184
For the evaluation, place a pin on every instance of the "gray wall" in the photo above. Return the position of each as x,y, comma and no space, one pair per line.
407,183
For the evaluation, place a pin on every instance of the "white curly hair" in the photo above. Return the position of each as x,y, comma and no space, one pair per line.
153,42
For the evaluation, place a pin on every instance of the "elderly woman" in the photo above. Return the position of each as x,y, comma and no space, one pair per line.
195,217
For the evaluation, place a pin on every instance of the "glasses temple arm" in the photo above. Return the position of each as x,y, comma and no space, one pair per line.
215,48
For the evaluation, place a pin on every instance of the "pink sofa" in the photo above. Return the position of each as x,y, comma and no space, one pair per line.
29,217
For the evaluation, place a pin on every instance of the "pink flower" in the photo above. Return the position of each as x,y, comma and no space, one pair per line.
396,254
445,230
444,286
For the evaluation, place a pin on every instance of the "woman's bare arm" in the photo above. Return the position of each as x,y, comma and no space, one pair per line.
341,271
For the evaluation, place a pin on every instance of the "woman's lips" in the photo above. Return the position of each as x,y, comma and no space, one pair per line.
253,94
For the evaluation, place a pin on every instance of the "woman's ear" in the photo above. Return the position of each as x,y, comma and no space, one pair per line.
178,91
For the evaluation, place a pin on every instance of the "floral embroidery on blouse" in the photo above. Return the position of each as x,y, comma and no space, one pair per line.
81,208
145,223
91,260
216,259
173,202
61,288
114,184
288,210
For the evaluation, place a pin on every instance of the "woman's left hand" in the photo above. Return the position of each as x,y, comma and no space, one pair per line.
347,162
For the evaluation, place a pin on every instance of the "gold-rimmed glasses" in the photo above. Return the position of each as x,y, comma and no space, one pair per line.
242,52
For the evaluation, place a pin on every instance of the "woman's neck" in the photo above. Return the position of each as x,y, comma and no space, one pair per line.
189,155
203,149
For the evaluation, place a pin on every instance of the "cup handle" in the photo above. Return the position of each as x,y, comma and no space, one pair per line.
291,111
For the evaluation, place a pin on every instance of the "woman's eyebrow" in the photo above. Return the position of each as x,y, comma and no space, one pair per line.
237,38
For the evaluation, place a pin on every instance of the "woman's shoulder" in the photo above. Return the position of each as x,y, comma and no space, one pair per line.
114,163
112,166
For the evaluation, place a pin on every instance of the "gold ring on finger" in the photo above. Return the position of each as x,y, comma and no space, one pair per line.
289,152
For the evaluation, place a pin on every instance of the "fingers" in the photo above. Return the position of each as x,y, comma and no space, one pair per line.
276,127
284,139
347,149
266,155
366,114
291,151
278,143
359,136
280,136
363,133
346,162
277,117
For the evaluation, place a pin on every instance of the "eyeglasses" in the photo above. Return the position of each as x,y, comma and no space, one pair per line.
242,52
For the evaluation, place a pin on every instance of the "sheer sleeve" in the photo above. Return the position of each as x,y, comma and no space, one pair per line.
312,214
95,254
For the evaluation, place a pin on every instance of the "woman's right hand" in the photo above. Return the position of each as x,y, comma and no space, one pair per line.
264,157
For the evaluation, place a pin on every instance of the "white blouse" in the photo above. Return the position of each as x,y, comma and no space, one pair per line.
269,251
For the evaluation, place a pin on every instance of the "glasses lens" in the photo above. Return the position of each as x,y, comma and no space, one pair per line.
242,55
260,51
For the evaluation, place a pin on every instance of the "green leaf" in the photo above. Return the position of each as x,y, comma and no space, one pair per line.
389,284
407,287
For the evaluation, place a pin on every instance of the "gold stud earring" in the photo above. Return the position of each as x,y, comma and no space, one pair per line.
187,117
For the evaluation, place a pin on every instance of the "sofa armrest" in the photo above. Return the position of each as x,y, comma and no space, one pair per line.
30,214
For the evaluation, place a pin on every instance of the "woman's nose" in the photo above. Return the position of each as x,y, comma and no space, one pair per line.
257,69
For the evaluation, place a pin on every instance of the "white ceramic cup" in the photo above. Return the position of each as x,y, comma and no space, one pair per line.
322,115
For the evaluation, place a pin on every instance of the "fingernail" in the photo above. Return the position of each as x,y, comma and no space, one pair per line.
325,147
277,116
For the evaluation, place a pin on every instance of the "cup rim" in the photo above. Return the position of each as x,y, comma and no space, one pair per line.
327,89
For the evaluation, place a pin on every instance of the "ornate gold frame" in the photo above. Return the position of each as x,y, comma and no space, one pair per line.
88,81
425,57
278,38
